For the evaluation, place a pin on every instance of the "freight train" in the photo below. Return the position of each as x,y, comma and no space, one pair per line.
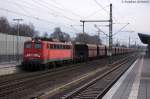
41,54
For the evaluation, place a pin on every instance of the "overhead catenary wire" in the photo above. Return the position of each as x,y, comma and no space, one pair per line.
75,28
26,5
113,17
103,8
22,14
121,29
93,13
34,7
66,9
47,10
47,7
39,4
101,30
33,17
77,15
19,6
62,8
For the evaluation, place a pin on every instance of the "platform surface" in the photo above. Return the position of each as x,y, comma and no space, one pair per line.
9,67
8,64
134,83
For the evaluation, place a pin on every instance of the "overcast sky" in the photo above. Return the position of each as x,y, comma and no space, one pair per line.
48,14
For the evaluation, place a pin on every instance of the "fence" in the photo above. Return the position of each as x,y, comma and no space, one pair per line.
11,49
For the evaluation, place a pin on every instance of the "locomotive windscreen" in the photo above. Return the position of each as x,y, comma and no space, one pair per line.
28,45
37,45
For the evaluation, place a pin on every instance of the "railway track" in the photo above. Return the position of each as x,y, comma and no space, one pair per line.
13,77
17,86
97,88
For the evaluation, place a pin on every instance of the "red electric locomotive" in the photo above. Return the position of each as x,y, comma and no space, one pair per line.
38,52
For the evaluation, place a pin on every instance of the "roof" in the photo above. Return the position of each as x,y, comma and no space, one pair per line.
144,38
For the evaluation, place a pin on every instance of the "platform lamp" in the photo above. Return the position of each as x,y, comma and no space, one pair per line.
18,26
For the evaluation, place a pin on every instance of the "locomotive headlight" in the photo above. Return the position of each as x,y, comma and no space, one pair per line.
28,55
36,55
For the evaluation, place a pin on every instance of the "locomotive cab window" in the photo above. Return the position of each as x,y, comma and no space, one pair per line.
28,45
38,46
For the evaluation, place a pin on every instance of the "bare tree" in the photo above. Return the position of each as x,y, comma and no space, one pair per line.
85,38
4,25
59,35
67,37
24,29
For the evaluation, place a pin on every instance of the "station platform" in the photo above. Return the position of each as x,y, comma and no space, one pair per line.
9,64
134,83
9,67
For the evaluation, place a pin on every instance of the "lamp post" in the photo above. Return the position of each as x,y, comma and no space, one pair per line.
18,24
